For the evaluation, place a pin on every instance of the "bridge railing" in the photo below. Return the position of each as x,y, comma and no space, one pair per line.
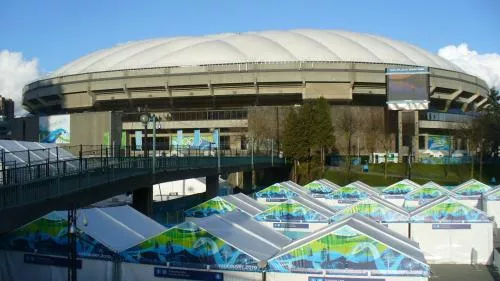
18,167
23,189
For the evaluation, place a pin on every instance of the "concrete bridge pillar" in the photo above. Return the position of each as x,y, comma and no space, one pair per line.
142,200
212,183
248,181
269,176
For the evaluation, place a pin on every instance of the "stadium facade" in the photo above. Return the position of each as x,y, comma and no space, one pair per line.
207,82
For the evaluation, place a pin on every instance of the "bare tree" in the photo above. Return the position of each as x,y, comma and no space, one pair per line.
373,130
267,123
386,141
348,124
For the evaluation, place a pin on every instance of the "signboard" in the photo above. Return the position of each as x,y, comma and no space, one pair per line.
49,260
174,273
54,129
290,225
440,143
407,88
276,199
138,140
347,201
451,226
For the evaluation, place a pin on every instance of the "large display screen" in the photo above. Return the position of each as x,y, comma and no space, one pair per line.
407,88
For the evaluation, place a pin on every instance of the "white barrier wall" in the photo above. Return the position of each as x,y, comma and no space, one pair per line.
13,268
455,245
133,272
143,272
471,202
271,276
399,227
493,210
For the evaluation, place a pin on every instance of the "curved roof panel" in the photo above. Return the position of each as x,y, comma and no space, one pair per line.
256,47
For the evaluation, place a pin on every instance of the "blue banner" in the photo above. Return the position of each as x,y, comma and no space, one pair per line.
179,137
138,140
197,138
216,137
451,226
49,260
188,274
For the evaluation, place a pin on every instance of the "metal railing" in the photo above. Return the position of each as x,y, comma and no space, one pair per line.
32,182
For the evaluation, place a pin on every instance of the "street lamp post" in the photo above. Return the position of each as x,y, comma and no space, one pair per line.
145,119
72,236
262,265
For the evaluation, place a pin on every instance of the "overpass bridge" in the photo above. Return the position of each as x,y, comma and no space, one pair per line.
30,190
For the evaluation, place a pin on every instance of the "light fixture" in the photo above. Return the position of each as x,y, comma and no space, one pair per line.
144,119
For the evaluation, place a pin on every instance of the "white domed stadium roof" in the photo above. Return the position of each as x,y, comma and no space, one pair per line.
256,47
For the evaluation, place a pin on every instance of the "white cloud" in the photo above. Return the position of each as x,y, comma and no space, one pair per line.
15,72
485,66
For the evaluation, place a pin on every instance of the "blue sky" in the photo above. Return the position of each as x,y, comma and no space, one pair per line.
57,32
39,36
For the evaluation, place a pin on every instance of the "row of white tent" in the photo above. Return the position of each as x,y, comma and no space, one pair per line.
444,224
227,237
118,243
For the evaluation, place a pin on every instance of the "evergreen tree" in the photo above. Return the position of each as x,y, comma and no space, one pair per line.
307,130
322,129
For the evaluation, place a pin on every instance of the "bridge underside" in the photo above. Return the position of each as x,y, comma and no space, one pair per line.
16,216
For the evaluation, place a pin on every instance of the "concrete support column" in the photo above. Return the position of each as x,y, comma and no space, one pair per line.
415,134
248,181
400,136
212,183
142,200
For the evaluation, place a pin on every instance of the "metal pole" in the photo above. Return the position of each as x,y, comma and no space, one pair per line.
146,151
57,159
272,152
4,179
218,149
252,152
154,143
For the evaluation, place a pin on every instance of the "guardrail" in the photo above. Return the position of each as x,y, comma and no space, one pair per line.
32,183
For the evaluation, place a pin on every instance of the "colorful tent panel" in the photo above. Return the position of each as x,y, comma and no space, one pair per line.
49,236
187,245
471,188
306,199
347,192
349,245
448,209
318,188
375,209
276,191
216,205
428,191
291,211
400,188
